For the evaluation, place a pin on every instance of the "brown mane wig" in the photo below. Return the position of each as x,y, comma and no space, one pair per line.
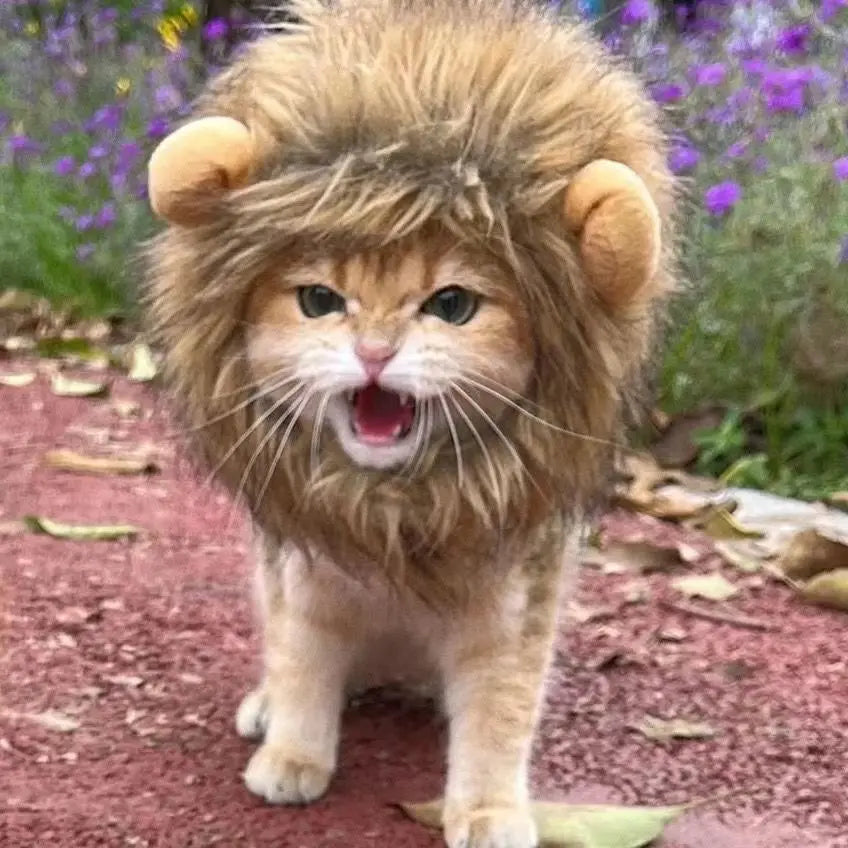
371,124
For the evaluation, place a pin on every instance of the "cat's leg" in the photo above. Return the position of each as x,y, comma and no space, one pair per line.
308,651
494,662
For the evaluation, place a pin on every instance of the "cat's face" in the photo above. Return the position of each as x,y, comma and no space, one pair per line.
392,348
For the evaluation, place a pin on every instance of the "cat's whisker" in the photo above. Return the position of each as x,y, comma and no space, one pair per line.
493,477
497,430
282,446
454,437
317,426
518,408
174,434
246,435
271,378
272,431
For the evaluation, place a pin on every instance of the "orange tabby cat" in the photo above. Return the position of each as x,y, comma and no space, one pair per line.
416,254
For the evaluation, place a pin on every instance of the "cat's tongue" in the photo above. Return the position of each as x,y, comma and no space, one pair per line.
381,416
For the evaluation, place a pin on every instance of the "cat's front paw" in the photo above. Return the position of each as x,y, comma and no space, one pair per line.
490,827
252,714
282,777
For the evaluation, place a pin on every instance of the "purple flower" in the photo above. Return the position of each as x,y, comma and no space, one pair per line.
843,251
84,252
84,223
63,88
87,170
840,169
709,75
755,67
667,92
784,90
760,164
216,29
106,118
98,151
794,39
637,11
128,152
736,149
683,158
106,216
167,98
831,8
23,144
722,197
65,166
158,128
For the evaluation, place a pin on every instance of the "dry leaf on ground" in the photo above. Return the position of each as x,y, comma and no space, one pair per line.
664,730
640,555
563,825
829,589
718,523
51,719
68,460
99,532
16,381
746,555
811,552
677,447
142,367
66,387
713,587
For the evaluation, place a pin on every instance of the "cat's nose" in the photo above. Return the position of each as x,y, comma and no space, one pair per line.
374,356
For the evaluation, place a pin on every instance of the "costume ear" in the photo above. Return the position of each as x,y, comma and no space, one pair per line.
617,223
195,163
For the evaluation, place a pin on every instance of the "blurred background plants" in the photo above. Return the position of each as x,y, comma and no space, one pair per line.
757,97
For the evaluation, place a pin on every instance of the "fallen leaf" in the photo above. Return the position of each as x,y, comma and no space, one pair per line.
142,367
66,387
84,532
54,720
718,523
829,589
129,680
713,587
664,730
677,446
583,614
672,634
839,500
809,553
16,381
15,300
68,460
744,555
563,825
78,348
642,556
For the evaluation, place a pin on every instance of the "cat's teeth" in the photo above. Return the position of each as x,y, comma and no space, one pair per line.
404,398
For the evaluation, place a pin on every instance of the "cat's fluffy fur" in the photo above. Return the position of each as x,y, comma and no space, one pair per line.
376,119
381,122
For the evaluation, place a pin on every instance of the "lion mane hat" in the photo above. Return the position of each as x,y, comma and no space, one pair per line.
371,121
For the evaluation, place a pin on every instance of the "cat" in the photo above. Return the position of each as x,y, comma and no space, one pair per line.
416,258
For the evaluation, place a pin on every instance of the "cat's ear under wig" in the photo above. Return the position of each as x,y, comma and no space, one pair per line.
607,207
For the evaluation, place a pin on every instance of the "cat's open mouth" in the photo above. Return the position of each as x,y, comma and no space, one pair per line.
379,416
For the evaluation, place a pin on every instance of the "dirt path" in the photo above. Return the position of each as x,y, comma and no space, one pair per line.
148,645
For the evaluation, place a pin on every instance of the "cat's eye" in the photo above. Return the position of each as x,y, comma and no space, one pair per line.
454,305
315,301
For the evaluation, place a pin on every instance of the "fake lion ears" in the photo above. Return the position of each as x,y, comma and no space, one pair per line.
607,206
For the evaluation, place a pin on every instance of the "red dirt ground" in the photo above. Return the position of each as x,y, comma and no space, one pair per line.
150,644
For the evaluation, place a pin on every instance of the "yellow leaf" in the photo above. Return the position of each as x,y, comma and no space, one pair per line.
68,460
713,587
66,387
16,381
80,532
142,366
829,589
718,523
809,553
578,825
